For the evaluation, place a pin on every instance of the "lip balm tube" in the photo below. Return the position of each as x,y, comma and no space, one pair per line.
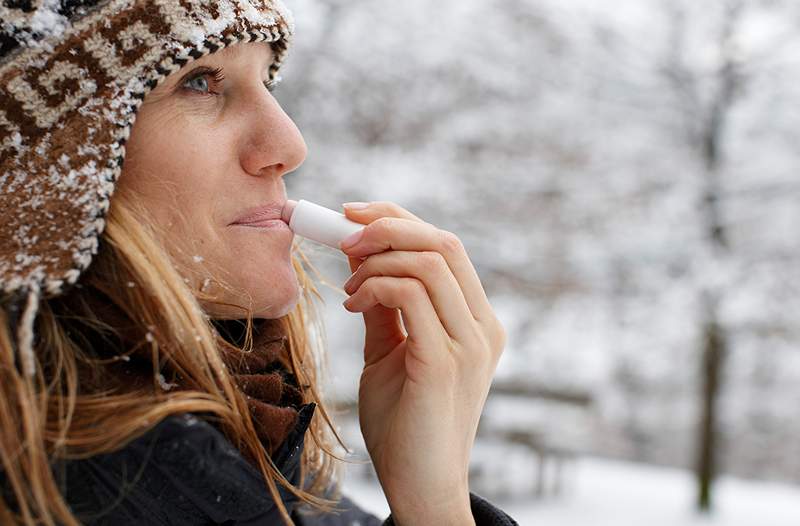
318,223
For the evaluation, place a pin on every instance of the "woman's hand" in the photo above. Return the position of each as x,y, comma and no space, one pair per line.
425,380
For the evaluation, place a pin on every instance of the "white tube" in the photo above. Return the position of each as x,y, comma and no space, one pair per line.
321,224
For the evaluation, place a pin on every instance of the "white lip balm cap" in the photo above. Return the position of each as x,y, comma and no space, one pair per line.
321,224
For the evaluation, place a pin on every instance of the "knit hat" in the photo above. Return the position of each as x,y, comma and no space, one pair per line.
73,73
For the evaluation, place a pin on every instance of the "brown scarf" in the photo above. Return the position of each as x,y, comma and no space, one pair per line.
272,393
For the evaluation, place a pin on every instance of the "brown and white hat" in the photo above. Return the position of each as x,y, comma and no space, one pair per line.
72,75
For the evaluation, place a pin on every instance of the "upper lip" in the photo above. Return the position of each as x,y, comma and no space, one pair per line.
263,212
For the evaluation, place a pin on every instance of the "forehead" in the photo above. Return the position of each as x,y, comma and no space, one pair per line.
256,52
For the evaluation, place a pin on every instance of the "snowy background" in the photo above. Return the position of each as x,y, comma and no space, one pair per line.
624,177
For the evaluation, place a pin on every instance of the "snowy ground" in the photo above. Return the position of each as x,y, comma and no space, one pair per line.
614,493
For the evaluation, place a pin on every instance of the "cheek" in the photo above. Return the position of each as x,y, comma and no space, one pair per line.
171,170
173,181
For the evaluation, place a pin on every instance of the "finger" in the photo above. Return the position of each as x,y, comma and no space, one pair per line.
432,270
408,295
383,328
388,233
378,209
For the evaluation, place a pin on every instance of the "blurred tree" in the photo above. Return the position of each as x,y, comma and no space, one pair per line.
624,177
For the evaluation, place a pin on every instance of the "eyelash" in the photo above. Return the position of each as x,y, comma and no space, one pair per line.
218,77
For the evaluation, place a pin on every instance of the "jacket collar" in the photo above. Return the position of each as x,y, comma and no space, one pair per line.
288,454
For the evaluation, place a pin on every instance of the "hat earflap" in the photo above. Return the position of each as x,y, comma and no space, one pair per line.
23,324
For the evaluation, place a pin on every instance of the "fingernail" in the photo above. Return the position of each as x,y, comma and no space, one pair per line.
352,239
356,205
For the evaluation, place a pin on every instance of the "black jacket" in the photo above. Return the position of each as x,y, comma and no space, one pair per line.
185,472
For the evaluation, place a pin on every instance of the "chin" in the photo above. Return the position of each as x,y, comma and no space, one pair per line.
270,298
276,310
277,300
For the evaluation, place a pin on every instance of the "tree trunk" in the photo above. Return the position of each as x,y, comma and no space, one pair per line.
713,355
714,334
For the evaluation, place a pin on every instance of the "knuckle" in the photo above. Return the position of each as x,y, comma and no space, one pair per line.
431,262
383,204
412,288
383,225
500,335
451,242
393,207
367,285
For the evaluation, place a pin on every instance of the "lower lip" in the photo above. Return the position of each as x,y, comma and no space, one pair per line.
270,224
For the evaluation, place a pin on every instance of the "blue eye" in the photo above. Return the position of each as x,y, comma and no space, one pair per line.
202,74
199,82
193,81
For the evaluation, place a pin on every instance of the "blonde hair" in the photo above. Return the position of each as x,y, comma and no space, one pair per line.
45,418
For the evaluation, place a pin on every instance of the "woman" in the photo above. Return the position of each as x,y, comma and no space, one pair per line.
155,366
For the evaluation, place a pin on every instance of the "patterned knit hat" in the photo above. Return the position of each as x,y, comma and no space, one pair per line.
73,73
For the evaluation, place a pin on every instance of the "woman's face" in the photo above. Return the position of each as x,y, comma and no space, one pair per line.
203,153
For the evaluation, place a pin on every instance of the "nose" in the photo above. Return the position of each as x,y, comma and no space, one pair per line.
273,144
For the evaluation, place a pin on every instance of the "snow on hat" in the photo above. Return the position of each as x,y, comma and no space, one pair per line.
72,75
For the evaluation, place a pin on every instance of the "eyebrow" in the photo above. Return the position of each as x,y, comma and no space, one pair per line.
238,48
